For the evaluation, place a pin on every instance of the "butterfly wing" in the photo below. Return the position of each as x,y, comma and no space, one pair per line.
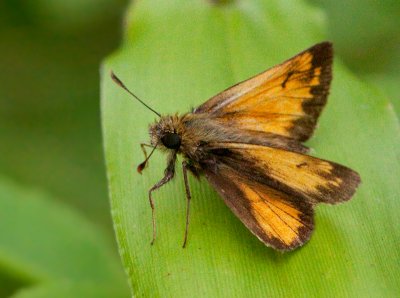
302,176
285,100
272,188
273,191
277,219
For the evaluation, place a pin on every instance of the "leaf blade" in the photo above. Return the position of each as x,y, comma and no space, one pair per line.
184,60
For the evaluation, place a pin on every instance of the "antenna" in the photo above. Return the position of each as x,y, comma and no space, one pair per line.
119,82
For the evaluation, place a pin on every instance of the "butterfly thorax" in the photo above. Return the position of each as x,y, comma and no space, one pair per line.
185,134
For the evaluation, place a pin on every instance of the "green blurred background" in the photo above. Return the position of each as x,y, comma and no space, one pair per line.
49,97
50,136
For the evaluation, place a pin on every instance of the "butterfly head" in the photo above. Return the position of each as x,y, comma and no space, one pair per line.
167,133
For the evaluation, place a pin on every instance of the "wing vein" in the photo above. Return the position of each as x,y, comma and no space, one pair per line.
267,203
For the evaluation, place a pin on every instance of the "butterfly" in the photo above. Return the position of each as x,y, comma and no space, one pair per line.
247,142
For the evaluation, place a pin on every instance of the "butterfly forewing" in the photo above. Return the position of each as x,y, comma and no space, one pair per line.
313,179
285,100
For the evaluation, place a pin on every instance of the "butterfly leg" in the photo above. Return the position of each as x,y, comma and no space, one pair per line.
143,146
143,164
168,175
188,198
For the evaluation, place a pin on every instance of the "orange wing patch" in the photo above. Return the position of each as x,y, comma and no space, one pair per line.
276,216
307,174
286,99
276,88
311,178
273,216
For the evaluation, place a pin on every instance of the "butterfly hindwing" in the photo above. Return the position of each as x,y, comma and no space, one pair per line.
277,219
285,100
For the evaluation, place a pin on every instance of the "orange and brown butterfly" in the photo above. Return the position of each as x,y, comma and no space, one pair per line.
247,142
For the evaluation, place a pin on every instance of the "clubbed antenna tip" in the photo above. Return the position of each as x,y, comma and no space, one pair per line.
122,85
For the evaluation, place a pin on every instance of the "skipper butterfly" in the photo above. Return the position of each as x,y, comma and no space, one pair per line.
247,142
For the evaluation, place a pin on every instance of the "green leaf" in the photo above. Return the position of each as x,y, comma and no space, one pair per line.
42,241
366,33
388,83
367,36
175,55
68,290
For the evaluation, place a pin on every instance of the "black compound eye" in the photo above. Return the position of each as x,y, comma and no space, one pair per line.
171,140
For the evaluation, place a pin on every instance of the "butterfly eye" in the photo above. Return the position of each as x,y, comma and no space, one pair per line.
171,140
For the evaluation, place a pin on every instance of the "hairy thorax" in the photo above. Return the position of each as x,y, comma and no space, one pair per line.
187,128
